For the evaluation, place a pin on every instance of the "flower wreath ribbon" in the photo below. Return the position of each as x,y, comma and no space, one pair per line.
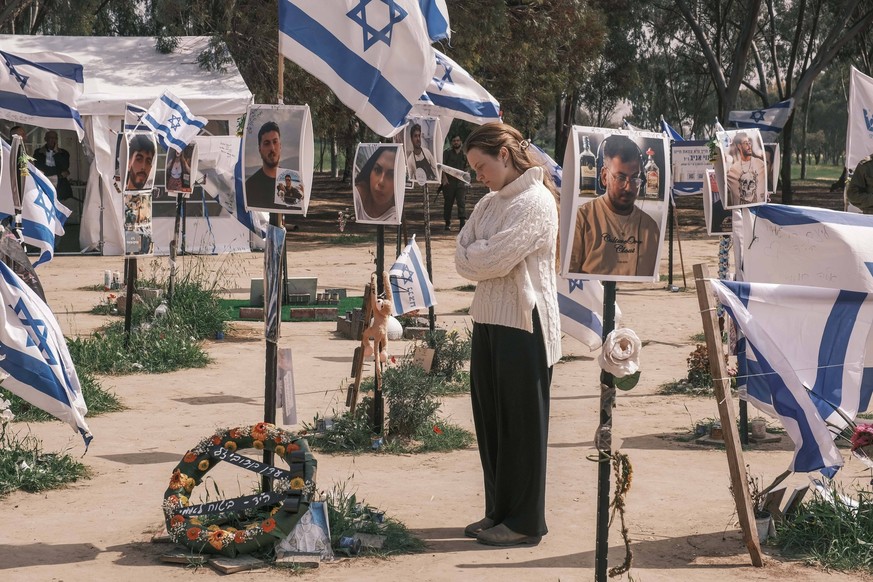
251,522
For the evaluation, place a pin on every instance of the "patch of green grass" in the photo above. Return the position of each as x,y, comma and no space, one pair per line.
351,239
834,534
467,287
98,400
24,465
685,388
865,415
698,338
163,346
822,172
347,515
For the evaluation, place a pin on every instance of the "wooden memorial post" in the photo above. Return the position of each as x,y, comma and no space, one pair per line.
431,314
721,385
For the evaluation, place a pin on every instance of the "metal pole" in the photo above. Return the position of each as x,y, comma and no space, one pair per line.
174,245
378,400
130,278
431,314
603,441
670,247
272,359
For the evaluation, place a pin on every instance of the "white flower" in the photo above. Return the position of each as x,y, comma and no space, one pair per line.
620,355
4,403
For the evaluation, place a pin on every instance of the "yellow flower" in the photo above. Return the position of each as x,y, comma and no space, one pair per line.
217,538
183,500
297,483
230,446
189,484
195,521
280,450
212,527
258,445
203,465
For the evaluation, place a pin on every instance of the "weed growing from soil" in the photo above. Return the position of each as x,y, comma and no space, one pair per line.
347,515
831,533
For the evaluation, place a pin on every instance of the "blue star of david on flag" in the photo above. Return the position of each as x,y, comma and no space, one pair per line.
758,115
447,73
175,122
42,202
37,332
22,79
373,35
406,274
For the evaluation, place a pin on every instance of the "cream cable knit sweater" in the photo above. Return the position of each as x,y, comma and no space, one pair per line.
508,247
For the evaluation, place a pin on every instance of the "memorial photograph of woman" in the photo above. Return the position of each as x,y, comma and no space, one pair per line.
379,178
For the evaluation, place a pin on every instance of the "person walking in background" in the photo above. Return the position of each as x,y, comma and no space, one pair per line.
860,189
454,190
508,248
54,162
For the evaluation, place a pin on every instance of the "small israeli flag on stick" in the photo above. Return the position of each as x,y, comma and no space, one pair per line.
410,286
171,120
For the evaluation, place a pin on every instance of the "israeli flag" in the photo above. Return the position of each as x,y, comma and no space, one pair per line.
42,214
805,354
436,16
580,304
551,166
453,92
7,200
41,89
769,121
671,133
376,56
171,119
411,288
859,130
625,124
34,353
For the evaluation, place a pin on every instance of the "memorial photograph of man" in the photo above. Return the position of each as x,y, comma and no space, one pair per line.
745,170
140,162
261,185
421,166
611,235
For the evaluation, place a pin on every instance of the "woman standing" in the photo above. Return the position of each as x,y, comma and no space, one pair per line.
508,247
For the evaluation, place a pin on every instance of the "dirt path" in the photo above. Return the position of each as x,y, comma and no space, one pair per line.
680,511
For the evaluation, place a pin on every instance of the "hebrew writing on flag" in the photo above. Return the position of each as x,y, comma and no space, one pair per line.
34,353
806,353
436,17
41,89
859,131
800,245
454,93
580,304
411,288
171,119
376,56
769,120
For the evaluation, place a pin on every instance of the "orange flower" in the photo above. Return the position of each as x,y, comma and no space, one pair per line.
268,525
280,450
239,536
293,447
217,538
277,440
173,500
178,479
259,431
176,521
258,445
437,429
193,533
234,433
190,457
216,440
230,446
203,465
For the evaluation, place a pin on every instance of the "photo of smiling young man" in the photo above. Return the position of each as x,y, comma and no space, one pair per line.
613,236
141,167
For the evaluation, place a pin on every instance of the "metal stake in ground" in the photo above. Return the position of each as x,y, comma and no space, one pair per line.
603,443
130,283
174,245
378,402
272,291
431,314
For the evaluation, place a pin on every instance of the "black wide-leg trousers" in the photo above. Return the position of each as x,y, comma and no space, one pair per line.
509,386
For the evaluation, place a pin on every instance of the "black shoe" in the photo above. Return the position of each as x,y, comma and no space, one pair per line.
447,227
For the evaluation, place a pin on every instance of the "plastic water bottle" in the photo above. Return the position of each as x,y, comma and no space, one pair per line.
162,309
107,280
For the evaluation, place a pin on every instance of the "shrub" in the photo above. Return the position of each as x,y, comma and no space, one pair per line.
452,352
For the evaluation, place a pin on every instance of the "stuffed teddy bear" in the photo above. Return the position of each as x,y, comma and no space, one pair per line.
378,330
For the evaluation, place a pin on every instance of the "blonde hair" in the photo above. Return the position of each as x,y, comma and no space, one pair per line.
491,137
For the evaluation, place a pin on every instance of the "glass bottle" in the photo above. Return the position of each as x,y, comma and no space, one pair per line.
587,169
653,175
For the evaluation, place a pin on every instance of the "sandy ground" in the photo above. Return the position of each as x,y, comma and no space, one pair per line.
680,512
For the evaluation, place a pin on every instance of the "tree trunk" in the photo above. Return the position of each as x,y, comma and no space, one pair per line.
785,174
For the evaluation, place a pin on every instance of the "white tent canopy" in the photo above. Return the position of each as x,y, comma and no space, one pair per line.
121,70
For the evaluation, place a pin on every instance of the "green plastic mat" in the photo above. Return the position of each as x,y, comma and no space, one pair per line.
231,308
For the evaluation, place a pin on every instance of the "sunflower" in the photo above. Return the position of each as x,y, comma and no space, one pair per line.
203,465
297,483
230,446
